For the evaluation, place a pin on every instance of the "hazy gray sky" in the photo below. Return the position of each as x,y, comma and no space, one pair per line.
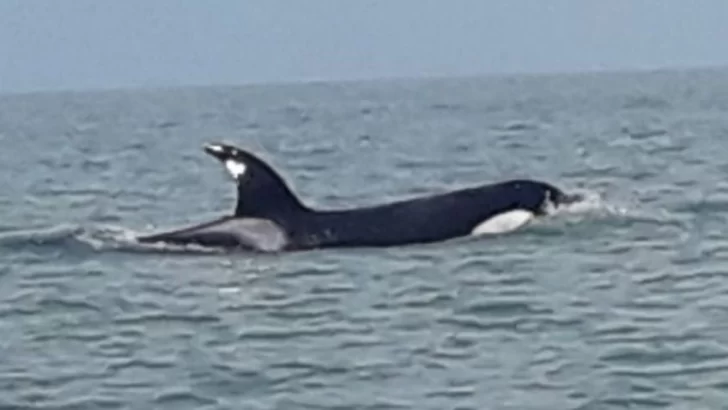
79,44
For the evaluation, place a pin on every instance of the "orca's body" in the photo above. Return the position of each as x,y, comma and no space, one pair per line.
270,218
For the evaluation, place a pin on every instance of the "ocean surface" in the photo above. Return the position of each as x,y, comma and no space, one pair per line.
619,302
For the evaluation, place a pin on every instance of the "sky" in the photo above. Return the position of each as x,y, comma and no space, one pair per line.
92,44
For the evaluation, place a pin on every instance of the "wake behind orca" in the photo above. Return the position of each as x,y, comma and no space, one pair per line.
269,217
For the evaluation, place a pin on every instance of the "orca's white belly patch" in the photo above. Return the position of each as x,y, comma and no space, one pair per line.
504,222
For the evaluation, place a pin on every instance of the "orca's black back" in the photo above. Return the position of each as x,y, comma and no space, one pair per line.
419,220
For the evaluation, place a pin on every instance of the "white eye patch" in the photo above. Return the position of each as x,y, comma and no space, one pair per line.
235,168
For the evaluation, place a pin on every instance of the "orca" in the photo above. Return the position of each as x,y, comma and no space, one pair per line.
269,216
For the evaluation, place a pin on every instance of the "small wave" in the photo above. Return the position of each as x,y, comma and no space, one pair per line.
519,125
166,124
446,106
642,134
97,238
40,236
646,102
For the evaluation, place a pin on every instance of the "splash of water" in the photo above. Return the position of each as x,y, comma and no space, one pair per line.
592,204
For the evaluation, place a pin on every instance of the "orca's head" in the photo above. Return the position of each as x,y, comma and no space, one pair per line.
555,198
538,197
558,198
261,190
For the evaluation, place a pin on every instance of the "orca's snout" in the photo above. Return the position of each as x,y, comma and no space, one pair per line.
568,199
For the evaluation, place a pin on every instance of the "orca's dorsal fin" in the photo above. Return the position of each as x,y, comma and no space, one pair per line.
262,192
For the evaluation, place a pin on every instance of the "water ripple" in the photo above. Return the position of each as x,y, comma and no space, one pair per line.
616,302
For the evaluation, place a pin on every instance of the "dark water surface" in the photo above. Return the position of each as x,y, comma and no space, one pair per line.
621,302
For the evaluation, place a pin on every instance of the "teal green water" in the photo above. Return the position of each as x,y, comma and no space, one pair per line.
620,302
